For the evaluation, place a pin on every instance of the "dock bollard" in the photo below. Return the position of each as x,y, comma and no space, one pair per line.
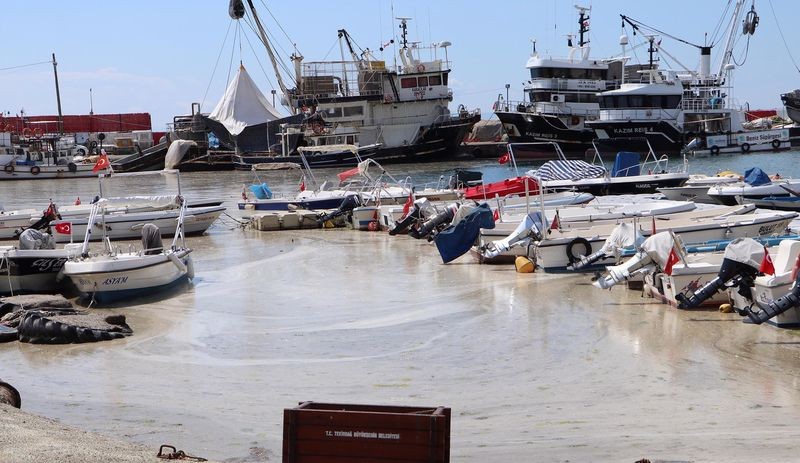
9,395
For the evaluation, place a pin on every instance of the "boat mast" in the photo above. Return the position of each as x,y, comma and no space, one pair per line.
728,53
263,36
58,97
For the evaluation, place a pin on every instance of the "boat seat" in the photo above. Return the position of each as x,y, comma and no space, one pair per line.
784,260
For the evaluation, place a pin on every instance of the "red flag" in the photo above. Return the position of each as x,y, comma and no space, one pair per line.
496,215
671,260
303,184
409,203
347,174
767,268
654,226
64,228
78,201
504,158
556,225
102,162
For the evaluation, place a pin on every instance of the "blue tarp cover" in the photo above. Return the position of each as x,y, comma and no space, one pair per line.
755,177
456,240
626,164
261,191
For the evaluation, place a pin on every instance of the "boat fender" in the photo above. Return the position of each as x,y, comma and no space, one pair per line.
587,249
92,145
745,147
776,143
9,168
178,262
421,68
189,267
72,167
35,170
714,150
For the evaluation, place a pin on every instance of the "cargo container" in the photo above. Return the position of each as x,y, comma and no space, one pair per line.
337,433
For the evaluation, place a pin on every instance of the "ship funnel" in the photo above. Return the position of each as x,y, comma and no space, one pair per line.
705,62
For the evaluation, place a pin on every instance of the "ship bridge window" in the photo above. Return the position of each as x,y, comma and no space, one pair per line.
350,111
422,82
434,80
408,82
332,112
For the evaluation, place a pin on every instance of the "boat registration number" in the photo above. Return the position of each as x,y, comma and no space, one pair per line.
114,281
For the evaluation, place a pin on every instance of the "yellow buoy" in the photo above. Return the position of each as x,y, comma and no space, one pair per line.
524,265
726,308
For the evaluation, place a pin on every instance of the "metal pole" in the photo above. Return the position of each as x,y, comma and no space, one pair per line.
58,97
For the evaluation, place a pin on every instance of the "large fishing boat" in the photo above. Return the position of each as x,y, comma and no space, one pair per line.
672,108
392,113
561,97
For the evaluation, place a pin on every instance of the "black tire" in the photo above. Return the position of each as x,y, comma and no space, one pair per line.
587,247
9,169
776,144
36,329
714,150
72,167
745,147
35,170
92,145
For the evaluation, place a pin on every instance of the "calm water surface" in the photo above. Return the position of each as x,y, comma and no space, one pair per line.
536,367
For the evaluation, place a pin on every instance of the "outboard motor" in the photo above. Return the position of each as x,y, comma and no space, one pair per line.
421,205
530,227
655,250
49,214
151,240
349,203
742,259
775,307
442,218
34,239
625,235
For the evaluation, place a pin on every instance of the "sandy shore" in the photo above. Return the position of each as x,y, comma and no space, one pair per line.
535,367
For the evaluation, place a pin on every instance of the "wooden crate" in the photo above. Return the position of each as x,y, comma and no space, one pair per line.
337,433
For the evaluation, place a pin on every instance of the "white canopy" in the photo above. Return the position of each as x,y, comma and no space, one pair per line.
243,105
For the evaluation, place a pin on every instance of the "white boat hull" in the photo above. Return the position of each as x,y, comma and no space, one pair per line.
21,172
109,278
128,226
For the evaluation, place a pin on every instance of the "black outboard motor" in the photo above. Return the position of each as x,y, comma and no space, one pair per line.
742,259
349,203
413,215
775,307
440,219
151,239
49,214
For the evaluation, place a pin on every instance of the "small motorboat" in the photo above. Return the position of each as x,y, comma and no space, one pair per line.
113,275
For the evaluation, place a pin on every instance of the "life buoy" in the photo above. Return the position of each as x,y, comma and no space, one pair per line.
387,98
714,150
745,147
776,143
72,167
26,132
92,144
421,68
35,170
587,248
575,120
9,168
38,132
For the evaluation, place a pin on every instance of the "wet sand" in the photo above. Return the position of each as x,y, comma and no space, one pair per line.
534,366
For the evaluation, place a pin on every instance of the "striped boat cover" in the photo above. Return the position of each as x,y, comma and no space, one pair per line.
567,170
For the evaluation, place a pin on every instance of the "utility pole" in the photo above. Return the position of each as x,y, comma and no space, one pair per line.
58,97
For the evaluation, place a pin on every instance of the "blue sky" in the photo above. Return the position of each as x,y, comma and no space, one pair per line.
159,56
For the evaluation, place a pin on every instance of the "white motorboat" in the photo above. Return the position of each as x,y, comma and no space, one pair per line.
696,188
757,184
114,275
34,265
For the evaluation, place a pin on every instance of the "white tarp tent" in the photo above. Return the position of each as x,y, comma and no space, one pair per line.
243,105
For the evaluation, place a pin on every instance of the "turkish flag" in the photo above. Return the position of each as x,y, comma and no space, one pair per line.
767,268
504,158
303,184
409,203
671,260
496,215
102,162
556,222
64,228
